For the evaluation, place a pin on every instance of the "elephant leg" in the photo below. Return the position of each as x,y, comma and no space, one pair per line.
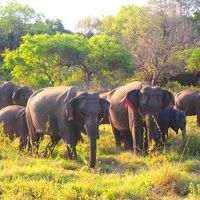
198,119
128,141
71,149
35,140
23,142
70,141
51,145
164,139
136,130
54,143
117,136
78,136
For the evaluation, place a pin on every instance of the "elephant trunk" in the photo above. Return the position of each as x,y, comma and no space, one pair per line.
153,133
92,132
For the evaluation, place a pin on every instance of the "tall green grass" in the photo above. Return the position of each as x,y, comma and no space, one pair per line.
171,174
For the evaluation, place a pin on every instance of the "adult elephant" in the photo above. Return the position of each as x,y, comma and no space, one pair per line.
189,102
14,123
13,94
63,112
134,105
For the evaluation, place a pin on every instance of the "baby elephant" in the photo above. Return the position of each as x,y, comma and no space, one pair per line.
172,118
169,118
14,123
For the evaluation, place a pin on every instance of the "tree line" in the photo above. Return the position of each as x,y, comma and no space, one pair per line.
152,43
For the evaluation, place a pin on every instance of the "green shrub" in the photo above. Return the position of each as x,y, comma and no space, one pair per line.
174,86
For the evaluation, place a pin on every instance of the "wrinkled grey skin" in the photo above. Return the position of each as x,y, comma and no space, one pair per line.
64,112
189,102
133,104
14,123
13,94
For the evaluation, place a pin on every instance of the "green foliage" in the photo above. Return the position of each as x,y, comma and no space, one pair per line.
17,20
106,56
43,59
192,59
174,86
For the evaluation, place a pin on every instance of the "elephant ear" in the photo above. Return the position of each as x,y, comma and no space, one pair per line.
168,100
70,109
132,99
104,104
66,101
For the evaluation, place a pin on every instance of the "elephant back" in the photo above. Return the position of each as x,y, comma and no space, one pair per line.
6,91
21,95
10,116
186,100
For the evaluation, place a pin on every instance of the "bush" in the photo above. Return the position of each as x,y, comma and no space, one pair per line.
174,86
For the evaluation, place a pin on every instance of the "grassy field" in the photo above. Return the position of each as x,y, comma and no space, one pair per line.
172,174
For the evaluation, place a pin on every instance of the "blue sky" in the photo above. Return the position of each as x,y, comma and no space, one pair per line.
72,11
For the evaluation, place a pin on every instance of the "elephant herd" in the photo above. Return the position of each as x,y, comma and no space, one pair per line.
139,114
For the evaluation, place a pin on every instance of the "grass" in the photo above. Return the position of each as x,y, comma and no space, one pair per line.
118,175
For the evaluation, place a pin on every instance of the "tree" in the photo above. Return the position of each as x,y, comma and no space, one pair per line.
89,26
153,34
106,56
44,59
17,20
192,59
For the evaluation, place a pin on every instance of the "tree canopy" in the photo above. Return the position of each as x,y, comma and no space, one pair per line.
46,59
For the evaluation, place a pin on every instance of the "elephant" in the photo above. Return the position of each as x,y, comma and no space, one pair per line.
13,118
63,112
189,102
13,94
134,105
174,119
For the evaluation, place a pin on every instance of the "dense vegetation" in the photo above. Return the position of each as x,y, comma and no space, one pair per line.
155,43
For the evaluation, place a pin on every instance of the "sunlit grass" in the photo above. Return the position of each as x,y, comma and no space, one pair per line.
171,174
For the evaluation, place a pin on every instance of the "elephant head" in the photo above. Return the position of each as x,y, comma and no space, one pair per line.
87,110
149,102
21,95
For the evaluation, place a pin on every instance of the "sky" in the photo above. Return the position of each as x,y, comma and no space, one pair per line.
70,12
